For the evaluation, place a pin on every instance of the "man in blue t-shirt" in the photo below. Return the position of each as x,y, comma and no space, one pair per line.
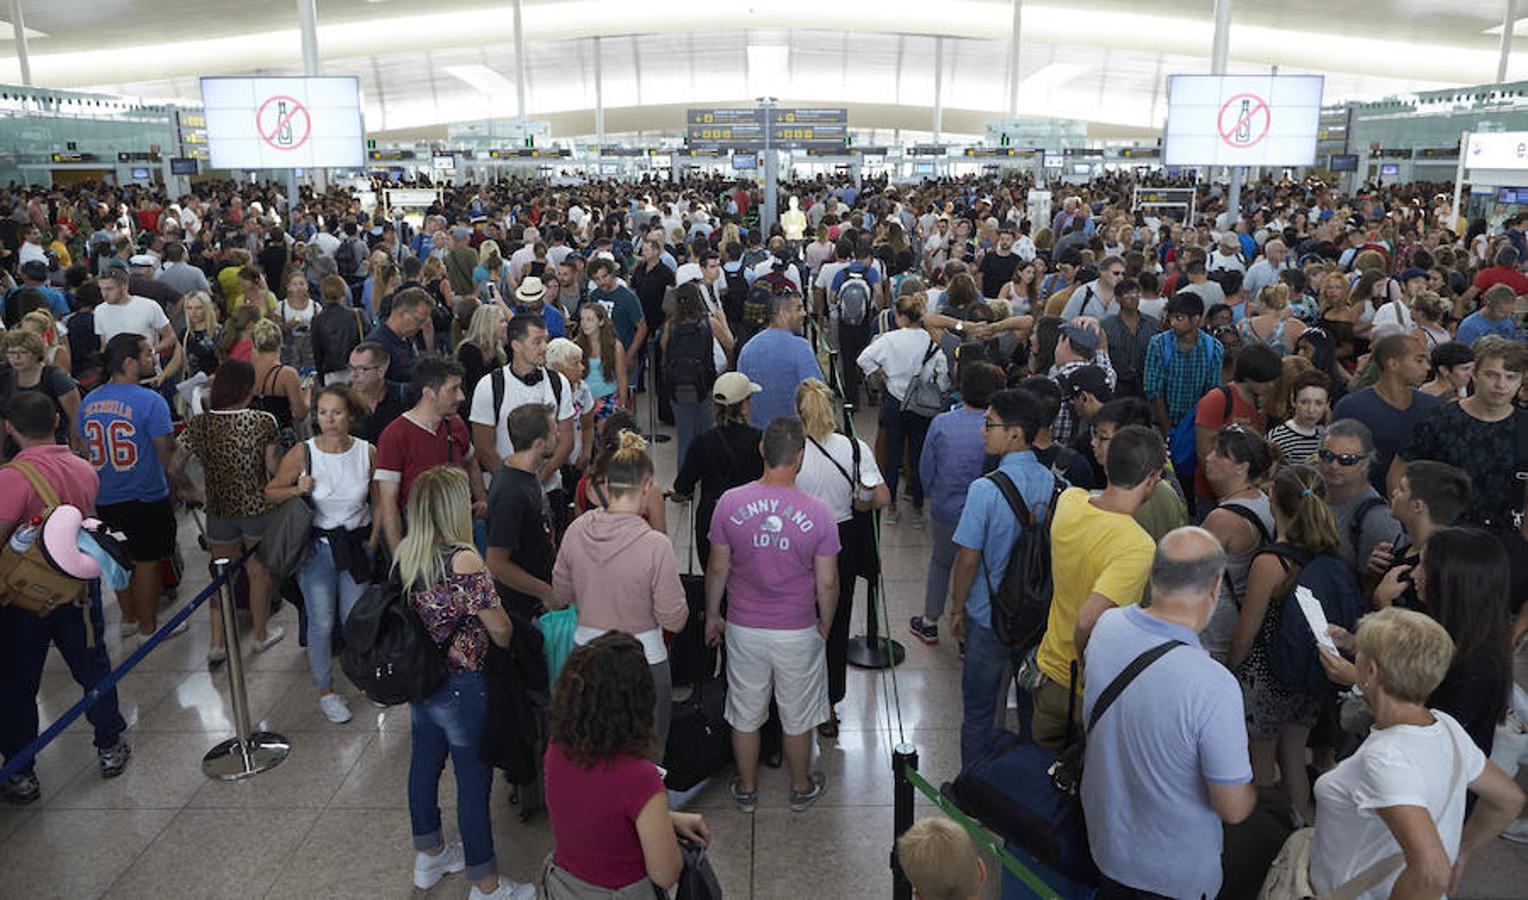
1493,317
778,360
128,438
983,540
625,309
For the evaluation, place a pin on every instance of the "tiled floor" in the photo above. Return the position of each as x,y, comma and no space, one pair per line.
332,821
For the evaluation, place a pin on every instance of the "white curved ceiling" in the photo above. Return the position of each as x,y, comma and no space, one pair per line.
1104,64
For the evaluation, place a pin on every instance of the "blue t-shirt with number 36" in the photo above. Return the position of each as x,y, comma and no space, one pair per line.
118,423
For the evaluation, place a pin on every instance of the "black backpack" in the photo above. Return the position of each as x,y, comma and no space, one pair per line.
1021,601
388,653
736,295
689,368
345,259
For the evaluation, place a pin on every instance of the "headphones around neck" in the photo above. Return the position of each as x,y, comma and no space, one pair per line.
531,378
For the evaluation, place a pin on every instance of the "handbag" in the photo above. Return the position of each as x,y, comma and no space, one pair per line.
289,537
924,397
1289,876
1066,774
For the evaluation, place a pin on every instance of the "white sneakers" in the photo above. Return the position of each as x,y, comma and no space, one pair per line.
334,708
428,870
507,890
273,636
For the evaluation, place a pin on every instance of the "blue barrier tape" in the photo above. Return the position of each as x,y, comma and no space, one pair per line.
93,696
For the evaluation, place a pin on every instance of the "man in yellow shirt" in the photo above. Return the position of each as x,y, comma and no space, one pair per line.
1100,559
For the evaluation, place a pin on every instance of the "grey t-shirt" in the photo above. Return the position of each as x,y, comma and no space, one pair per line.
1377,526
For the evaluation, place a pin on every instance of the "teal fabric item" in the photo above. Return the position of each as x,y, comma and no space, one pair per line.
557,639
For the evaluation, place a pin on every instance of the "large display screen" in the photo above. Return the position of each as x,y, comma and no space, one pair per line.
1242,120
284,123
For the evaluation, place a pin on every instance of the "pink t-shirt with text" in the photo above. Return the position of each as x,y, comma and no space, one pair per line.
774,533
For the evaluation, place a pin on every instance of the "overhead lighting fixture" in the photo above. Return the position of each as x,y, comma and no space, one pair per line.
482,79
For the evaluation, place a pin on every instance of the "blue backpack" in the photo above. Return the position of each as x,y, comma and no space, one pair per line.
1183,440
1292,655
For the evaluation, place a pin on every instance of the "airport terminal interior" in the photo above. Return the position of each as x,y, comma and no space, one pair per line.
569,449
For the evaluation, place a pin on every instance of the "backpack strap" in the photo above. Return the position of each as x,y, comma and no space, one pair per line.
1252,517
853,484
496,382
1123,679
39,484
1356,524
1292,559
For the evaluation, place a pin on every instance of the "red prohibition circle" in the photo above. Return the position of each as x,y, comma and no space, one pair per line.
1256,106
295,109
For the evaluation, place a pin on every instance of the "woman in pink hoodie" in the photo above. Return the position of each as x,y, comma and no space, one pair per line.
622,573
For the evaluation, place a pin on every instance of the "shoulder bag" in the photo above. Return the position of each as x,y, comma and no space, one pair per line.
924,396
289,536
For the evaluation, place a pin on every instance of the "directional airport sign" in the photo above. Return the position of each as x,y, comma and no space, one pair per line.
744,129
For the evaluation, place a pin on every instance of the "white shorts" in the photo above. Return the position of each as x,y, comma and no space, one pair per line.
791,666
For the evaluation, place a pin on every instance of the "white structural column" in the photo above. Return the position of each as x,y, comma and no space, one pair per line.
1013,58
938,86
307,26
21,43
599,95
1509,21
1220,55
520,67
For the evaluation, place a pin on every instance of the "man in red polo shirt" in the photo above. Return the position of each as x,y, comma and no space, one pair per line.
1504,272
427,435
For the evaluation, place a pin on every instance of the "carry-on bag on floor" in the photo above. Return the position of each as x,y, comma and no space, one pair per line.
690,660
699,738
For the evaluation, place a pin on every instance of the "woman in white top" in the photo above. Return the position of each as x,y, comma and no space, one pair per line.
334,470
295,316
841,472
904,354
1395,809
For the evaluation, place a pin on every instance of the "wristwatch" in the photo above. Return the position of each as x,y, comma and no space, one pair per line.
960,326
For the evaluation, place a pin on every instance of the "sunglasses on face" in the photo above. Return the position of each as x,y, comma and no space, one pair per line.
1342,459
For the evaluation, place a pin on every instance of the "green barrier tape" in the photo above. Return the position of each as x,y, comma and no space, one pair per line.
979,834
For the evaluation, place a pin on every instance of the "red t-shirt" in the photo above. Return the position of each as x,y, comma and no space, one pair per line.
72,478
405,449
1495,275
1211,413
594,816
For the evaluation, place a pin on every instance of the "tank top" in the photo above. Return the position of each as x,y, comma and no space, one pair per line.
601,384
341,482
278,405
1217,634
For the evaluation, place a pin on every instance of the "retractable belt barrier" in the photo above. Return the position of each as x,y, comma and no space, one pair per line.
904,755
219,586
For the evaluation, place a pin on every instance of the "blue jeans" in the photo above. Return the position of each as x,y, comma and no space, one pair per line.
984,678
451,721
941,560
323,586
690,421
902,429
24,642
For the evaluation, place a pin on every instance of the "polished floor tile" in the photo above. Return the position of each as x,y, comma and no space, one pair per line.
208,853
78,852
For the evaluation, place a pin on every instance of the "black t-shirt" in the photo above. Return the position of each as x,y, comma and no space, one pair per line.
520,521
52,383
1067,463
996,271
1474,692
390,407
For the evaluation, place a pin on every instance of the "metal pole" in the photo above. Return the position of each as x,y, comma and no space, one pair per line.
21,43
1220,54
307,23
599,96
938,86
903,757
520,68
1013,61
771,209
1464,149
249,752
1509,21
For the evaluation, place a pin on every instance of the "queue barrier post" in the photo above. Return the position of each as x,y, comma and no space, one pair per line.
903,758
248,752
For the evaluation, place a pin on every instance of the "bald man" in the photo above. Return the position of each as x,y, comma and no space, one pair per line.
1167,761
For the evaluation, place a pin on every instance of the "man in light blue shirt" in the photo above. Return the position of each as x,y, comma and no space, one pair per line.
984,540
1493,317
778,360
1167,762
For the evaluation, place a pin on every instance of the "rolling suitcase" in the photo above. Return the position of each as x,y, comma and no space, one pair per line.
690,660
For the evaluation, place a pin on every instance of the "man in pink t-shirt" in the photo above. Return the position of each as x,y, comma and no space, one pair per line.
774,553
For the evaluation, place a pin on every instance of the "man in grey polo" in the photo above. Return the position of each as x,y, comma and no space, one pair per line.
1167,761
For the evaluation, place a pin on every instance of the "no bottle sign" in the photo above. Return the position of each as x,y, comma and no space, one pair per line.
284,122
1244,120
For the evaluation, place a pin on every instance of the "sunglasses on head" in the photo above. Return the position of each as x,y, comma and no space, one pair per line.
1342,459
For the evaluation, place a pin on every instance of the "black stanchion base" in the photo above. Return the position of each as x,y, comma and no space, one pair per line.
871,653
657,438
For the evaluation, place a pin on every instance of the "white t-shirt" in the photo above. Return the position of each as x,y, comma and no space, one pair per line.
825,481
827,273
1403,765
901,353
518,393
1392,318
139,315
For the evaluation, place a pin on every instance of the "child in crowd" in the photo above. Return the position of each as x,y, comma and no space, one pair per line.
940,860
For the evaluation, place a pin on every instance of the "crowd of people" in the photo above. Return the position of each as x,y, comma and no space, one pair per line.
1198,419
